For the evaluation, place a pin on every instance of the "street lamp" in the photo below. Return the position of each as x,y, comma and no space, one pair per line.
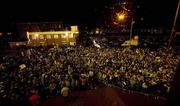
132,22
121,16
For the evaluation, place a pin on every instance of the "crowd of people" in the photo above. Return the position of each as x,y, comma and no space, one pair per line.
46,70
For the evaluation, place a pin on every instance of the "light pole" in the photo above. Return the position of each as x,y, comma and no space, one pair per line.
132,22
174,24
121,17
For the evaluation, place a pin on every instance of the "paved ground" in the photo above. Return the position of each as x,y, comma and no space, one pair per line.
106,96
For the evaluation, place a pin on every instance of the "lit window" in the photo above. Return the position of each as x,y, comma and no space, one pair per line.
34,37
48,36
63,35
75,35
41,36
71,35
56,36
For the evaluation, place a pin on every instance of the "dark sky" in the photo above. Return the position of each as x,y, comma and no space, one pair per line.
86,12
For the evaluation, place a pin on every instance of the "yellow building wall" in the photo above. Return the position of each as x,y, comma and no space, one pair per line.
52,38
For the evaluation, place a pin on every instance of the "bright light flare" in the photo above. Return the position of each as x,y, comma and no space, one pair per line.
121,17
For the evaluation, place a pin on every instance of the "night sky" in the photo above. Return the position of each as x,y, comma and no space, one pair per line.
152,13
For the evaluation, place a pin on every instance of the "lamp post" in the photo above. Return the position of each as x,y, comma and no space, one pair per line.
132,22
174,24
121,17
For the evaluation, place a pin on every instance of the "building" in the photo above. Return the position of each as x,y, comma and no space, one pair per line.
42,38
54,37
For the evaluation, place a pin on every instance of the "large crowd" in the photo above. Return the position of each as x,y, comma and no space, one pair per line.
47,69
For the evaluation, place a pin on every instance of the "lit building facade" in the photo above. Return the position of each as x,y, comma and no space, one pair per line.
43,38
54,37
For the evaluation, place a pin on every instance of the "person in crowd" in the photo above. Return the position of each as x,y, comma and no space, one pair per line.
35,99
50,69
65,92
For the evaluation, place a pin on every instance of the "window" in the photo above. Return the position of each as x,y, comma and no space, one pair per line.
56,36
34,37
75,34
41,36
63,35
48,36
71,35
